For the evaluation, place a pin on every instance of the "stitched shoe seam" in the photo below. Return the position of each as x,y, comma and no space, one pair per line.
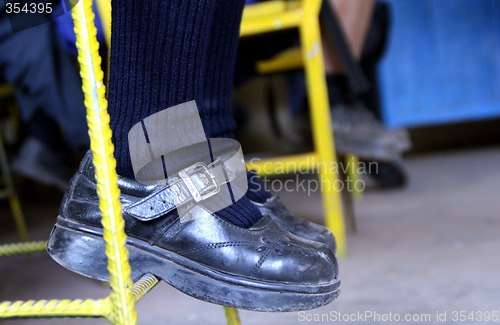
163,230
217,245
264,256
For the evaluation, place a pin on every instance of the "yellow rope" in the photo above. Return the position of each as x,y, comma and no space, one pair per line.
22,248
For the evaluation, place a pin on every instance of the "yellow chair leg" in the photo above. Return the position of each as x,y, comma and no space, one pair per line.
10,191
15,207
232,316
352,163
322,129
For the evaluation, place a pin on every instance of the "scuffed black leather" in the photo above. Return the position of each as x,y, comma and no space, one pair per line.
299,227
263,252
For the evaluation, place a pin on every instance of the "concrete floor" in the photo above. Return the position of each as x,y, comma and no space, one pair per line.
430,248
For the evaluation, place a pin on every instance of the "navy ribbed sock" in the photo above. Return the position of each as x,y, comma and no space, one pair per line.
256,189
221,60
164,53
157,60
216,110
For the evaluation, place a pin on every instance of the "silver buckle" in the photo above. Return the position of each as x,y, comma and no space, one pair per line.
201,170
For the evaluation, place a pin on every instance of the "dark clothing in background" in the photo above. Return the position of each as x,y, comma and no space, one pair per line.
45,78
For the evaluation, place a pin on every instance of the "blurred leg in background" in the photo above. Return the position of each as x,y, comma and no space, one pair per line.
50,100
357,130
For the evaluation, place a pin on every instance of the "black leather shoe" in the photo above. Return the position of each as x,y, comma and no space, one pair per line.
262,268
299,227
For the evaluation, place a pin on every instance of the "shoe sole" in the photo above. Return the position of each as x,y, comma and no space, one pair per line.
82,251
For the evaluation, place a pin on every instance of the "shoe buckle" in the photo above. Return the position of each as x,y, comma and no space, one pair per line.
199,174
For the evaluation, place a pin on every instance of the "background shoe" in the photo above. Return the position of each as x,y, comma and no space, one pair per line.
261,268
38,162
388,175
299,227
358,132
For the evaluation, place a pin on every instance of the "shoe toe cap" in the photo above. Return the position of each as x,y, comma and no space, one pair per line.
326,237
314,232
299,261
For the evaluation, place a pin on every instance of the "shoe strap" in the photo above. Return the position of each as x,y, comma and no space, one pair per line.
200,184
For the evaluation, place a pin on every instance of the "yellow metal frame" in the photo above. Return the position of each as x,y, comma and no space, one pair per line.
352,163
276,15
119,306
8,190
